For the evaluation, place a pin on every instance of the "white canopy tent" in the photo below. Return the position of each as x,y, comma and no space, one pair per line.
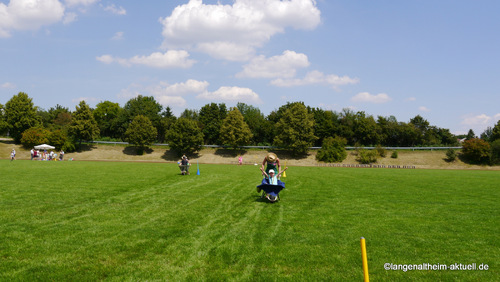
44,147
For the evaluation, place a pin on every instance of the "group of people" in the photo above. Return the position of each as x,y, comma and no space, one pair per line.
46,156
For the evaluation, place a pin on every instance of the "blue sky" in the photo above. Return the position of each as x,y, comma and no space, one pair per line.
438,59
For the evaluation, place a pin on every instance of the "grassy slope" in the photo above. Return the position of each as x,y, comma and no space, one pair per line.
419,159
143,221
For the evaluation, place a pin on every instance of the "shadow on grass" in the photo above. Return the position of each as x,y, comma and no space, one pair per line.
171,155
84,147
230,153
136,151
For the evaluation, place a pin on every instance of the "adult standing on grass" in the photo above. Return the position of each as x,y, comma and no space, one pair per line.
32,153
185,165
272,162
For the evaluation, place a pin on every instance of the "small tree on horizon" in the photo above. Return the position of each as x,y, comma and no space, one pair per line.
234,130
141,133
295,129
332,150
83,125
185,136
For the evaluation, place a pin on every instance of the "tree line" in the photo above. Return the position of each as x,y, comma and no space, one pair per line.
142,121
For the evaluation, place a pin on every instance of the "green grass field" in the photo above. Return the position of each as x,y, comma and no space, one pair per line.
143,221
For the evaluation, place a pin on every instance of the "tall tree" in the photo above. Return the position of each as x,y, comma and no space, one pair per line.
141,133
185,137
83,125
495,132
470,135
166,121
106,115
211,117
366,130
261,128
3,122
141,105
234,130
326,124
295,129
422,126
20,114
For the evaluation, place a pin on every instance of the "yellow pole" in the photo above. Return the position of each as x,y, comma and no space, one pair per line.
365,259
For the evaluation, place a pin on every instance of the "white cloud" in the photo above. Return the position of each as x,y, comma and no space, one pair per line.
115,10
316,77
423,109
69,18
478,123
29,15
284,66
411,99
365,97
476,120
232,94
190,86
72,3
232,32
118,36
173,101
169,59
166,94
8,85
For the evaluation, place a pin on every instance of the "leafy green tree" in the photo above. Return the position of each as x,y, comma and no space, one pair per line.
295,129
326,124
20,114
166,121
141,133
366,130
3,123
476,151
451,155
107,114
332,150
259,126
190,114
470,135
408,135
185,136
234,130
44,117
421,125
211,117
495,132
347,123
366,156
389,133
486,135
58,138
141,105
495,152
446,138
83,125
35,136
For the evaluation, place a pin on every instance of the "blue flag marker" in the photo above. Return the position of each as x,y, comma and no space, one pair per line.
198,167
